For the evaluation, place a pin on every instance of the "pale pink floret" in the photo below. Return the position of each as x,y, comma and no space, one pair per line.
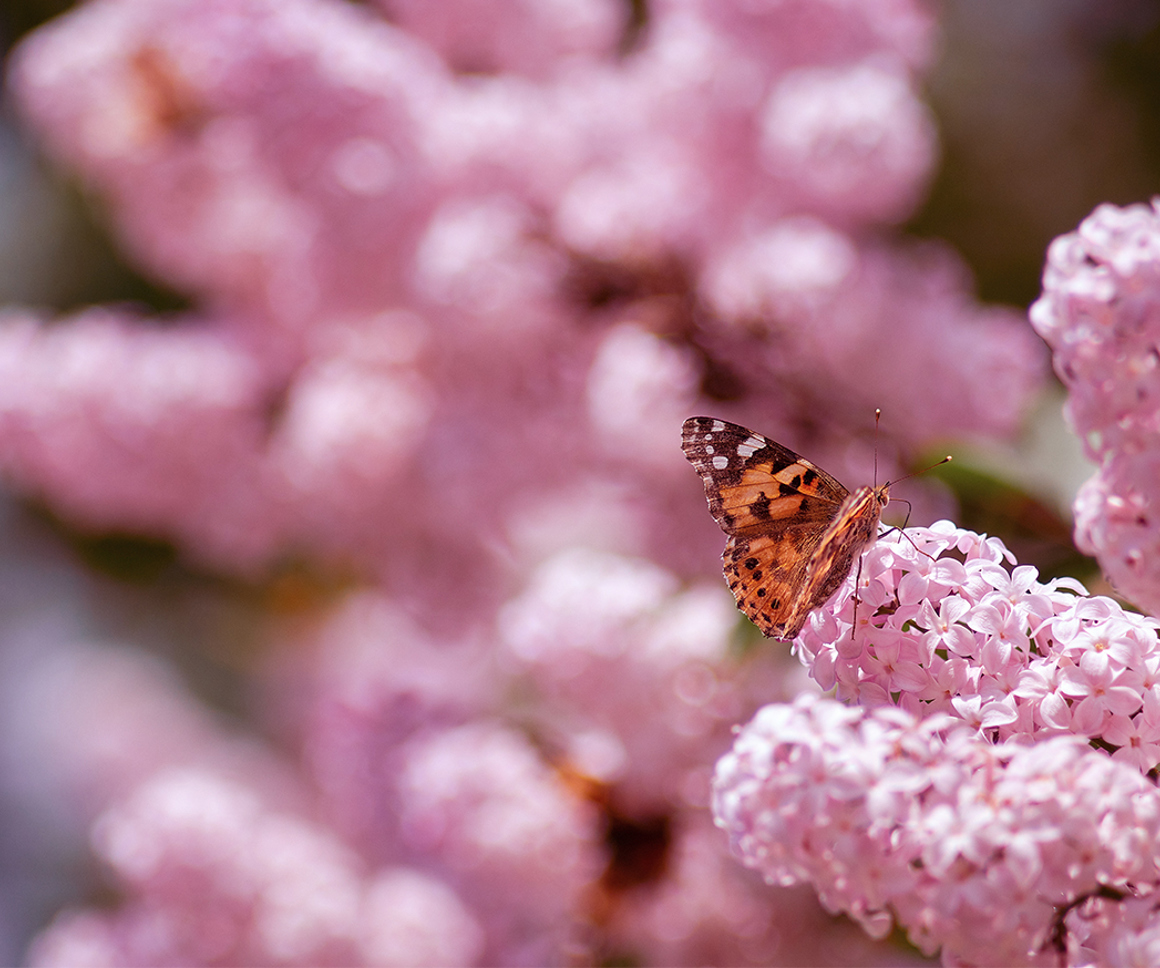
984,639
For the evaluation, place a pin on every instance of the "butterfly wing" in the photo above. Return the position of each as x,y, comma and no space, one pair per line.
854,527
775,506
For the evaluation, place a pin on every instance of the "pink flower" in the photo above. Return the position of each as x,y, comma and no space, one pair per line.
504,829
215,876
935,829
632,676
1020,658
523,37
1138,739
458,270
1100,313
1102,691
1040,686
408,271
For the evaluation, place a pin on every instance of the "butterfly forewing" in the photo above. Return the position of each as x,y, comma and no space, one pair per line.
750,480
794,531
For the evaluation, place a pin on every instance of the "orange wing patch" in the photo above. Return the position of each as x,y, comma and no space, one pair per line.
794,531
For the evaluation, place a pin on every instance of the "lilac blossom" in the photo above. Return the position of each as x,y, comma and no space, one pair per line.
1100,314
458,271
218,877
949,623
389,230
964,791
524,37
597,633
981,849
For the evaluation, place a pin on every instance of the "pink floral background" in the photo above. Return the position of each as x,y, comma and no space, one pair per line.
357,605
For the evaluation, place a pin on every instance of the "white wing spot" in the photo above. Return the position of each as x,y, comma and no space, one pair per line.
720,462
750,447
718,426
709,449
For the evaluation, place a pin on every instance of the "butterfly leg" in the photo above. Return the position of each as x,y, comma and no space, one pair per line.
902,532
857,585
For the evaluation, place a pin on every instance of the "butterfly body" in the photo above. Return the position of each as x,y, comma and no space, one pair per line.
793,530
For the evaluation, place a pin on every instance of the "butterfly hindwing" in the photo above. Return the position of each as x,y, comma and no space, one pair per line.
764,574
794,530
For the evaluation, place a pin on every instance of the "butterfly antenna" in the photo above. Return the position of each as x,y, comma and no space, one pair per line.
877,417
937,463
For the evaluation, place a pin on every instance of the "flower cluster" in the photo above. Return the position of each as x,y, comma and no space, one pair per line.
981,849
226,852
597,634
418,248
457,272
224,879
949,623
1100,314
520,808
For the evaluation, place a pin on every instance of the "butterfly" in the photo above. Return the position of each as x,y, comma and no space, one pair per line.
794,531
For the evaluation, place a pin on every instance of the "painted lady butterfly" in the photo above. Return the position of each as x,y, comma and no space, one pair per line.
794,531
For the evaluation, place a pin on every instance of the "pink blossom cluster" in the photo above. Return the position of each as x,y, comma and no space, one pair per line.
458,271
1100,314
949,623
509,804
597,634
217,877
436,252
805,290
614,679
226,850
997,853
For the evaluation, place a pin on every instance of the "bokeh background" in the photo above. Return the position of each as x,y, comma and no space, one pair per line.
134,644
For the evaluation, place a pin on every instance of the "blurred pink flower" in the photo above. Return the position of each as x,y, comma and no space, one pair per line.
520,36
399,254
215,877
459,271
